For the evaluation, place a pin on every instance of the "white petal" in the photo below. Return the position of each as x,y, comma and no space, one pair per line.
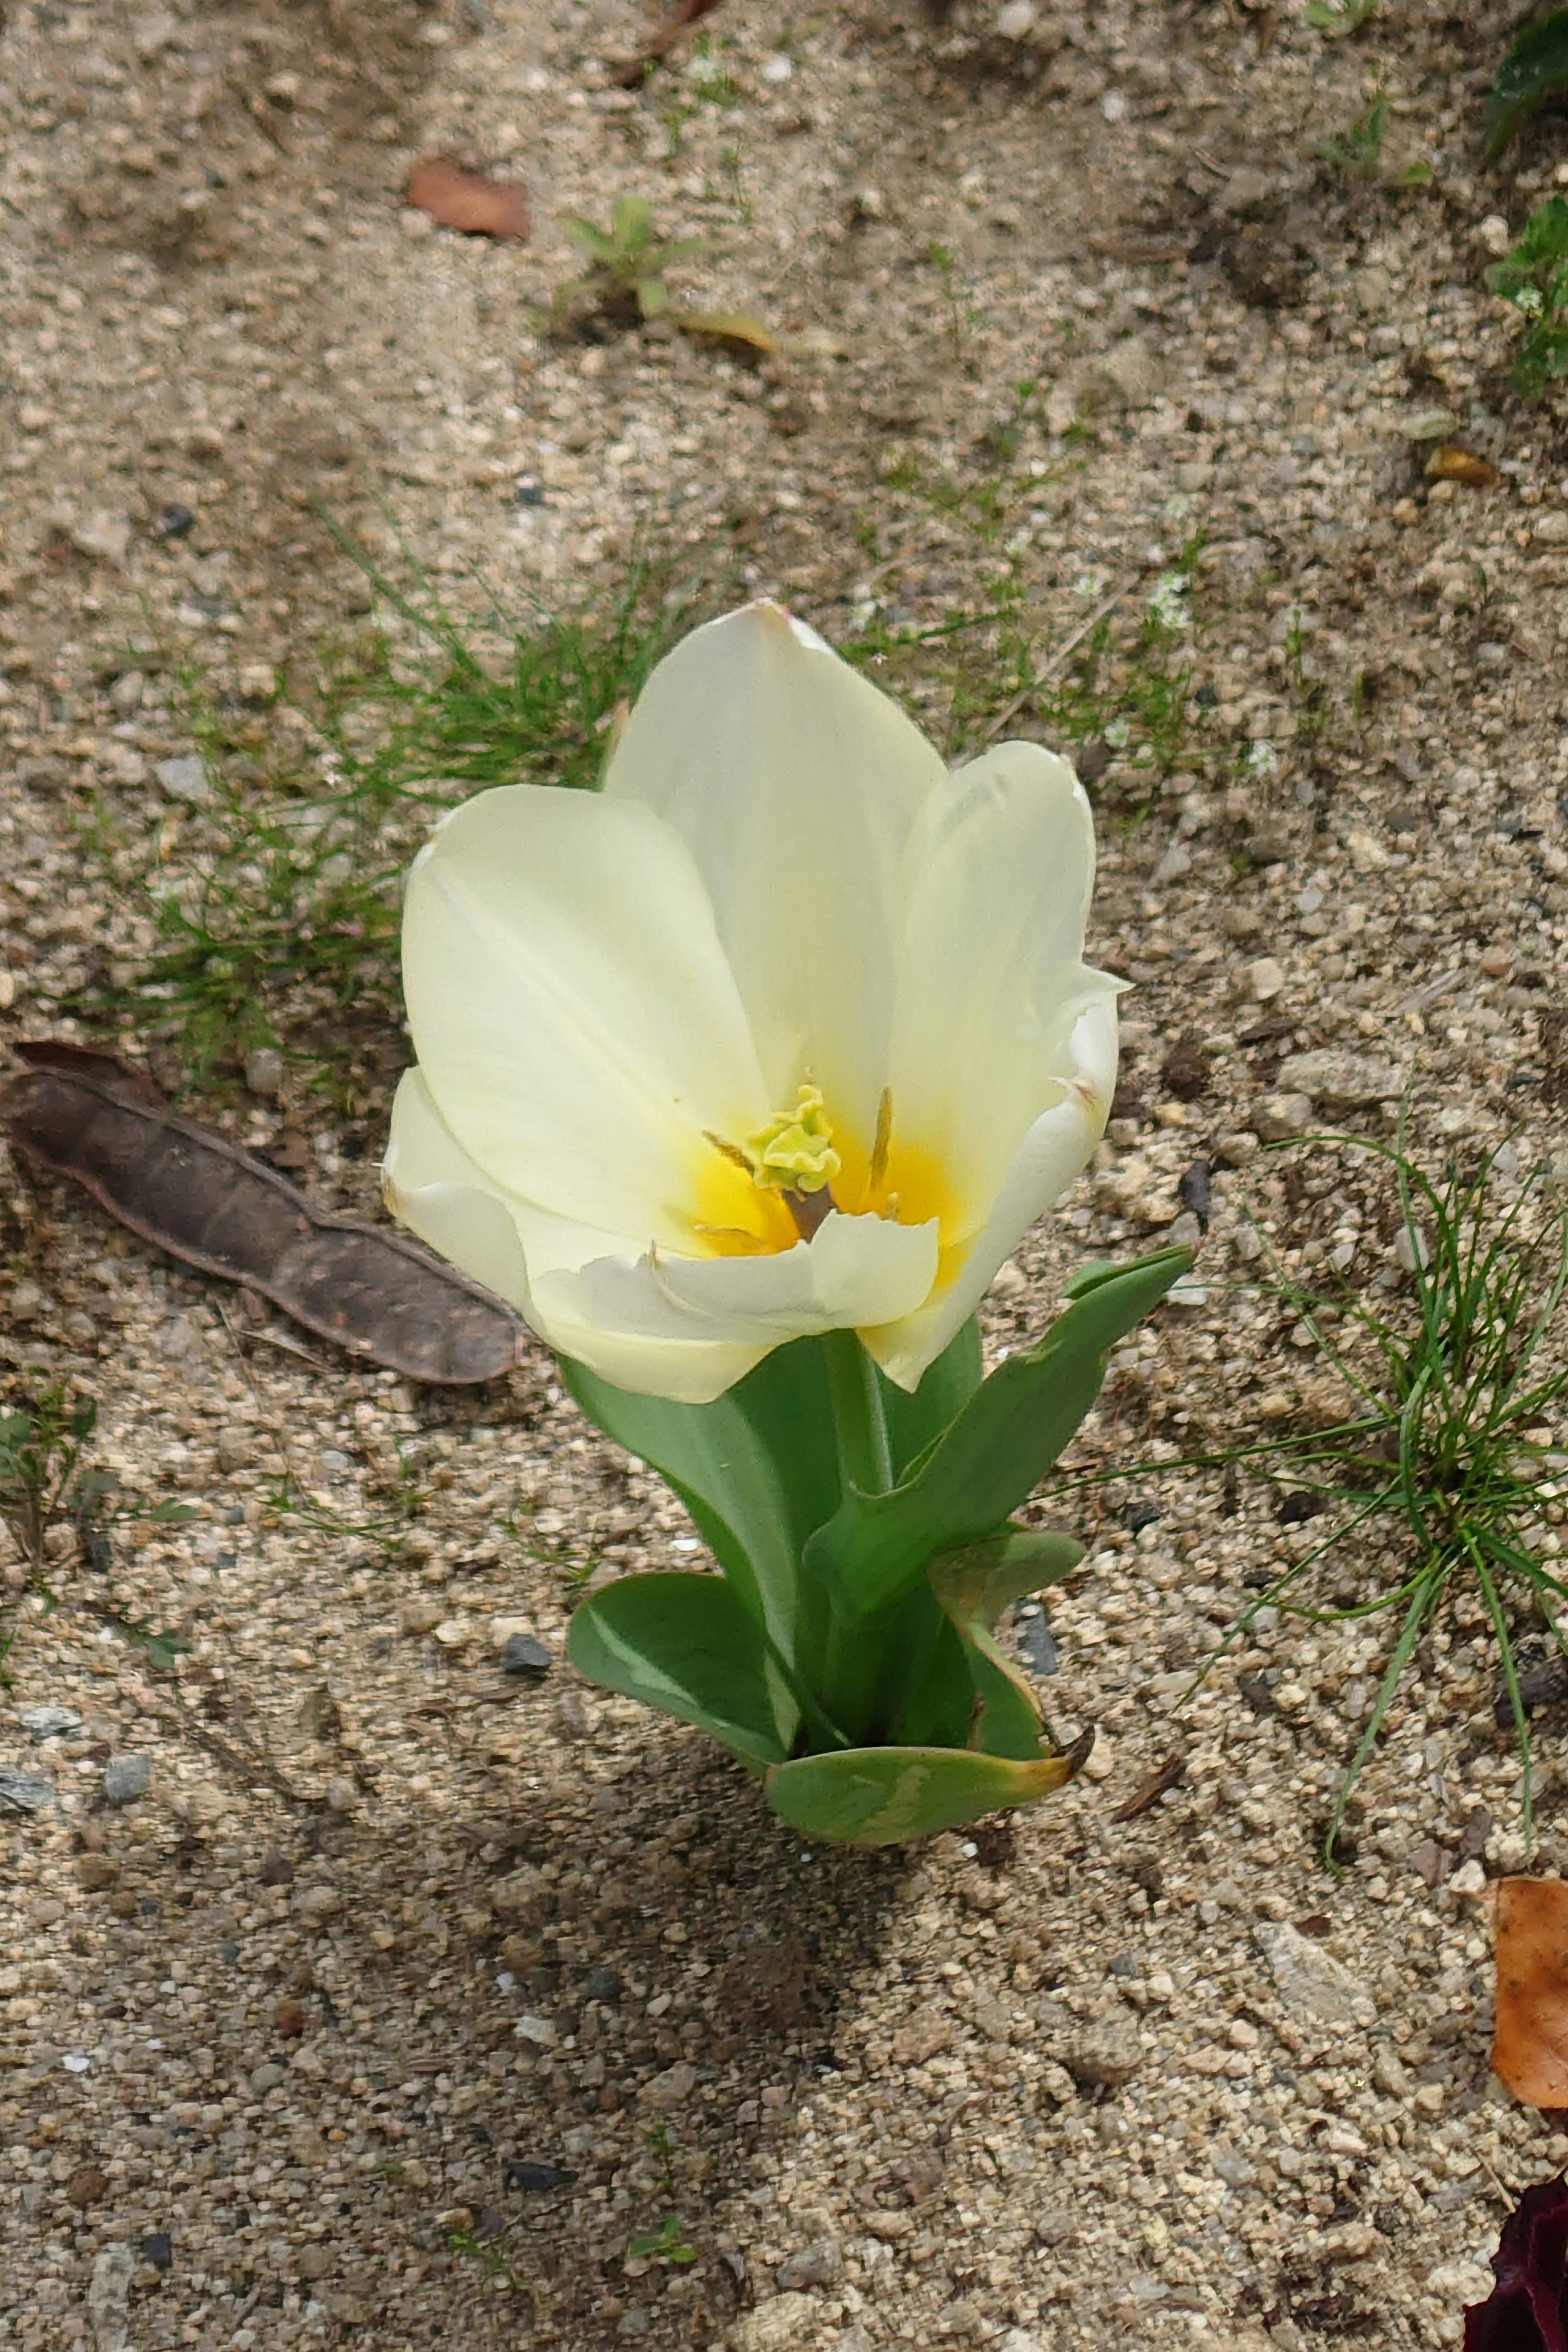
796,784
433,1188
575,1017
672,1327
992,977
1052,1152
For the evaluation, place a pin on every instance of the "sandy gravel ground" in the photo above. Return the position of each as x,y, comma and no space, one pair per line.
406,1995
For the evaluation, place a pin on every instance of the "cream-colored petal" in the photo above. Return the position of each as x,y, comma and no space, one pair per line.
1052,1152
432,1186
991,975
673,1327
796,785
575,1019
435,1190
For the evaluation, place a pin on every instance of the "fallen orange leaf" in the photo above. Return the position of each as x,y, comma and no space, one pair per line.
1450,463
1530,2053
467,200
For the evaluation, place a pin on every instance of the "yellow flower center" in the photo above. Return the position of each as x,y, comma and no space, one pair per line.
755,1199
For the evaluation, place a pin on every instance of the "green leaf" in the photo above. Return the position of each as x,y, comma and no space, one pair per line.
588,239
687,1645
960,1689
915,1421
758,1470
973,1585
171,1515
631,226
994,1454
1534,69
653,296
882,1796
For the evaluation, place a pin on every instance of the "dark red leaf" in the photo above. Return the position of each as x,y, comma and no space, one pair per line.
1527,2311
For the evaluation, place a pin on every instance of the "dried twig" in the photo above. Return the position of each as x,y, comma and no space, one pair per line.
1061,655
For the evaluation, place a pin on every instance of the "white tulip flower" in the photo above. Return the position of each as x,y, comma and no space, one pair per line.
787,1030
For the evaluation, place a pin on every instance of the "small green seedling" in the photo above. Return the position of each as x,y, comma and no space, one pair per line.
1358,155
1335,17
666,2244
1534,277
626,281
1535,69
627,262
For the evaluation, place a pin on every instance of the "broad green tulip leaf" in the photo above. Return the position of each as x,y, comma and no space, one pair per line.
758,1470
996,1452
1534,69
882,1796
916,1421
973,1585
687,1645
960,1689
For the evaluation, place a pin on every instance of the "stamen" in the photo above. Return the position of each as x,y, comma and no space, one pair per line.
884,1137
731,1151
743,1243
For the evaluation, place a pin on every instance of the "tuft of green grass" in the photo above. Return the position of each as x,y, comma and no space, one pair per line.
284,906
45,1484
1456,1433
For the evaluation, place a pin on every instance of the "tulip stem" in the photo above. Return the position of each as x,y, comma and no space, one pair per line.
864,1458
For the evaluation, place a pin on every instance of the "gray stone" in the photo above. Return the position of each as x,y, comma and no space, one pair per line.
25,1789
1315,1988
1342,1081
126,1778
785,2323
108,2297
264,1070
819,2265
267,2078
1107,2054
104,537
526,1656
672,2088
1277,1117
1247,190
48,1722
185,779
1135,372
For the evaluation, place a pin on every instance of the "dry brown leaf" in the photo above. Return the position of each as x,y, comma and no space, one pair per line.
1450,463
725,326
1531,2052
198,1196
467,200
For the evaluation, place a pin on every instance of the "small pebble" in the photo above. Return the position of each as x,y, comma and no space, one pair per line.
48,1722
527,1656
126,1778
25,1789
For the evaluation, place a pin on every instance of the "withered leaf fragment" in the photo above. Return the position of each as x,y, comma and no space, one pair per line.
89,1117
1450,463
1527,2310
468,201
1530,2053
